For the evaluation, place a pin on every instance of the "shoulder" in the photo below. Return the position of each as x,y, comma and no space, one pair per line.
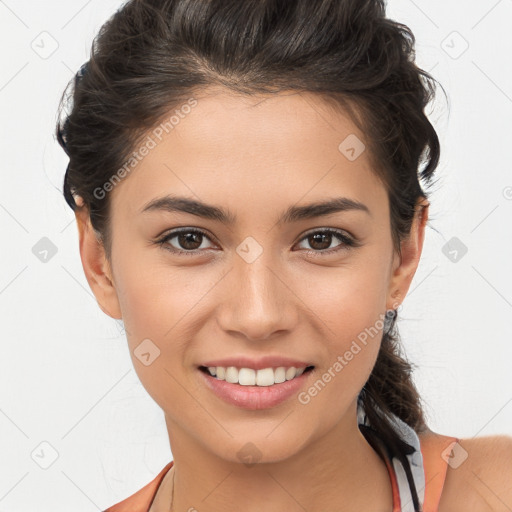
480,478
142,500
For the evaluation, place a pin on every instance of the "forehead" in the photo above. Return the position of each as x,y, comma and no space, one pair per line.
250,149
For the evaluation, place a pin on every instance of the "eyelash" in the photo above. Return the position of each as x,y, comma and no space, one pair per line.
347,242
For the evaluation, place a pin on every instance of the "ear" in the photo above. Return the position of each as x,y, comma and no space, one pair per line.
96,266
406,265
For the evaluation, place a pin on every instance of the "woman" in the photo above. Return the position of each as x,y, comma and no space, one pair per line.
245,176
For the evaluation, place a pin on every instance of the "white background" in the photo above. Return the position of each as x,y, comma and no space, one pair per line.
66,378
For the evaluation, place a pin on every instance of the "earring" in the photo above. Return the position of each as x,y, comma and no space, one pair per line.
388,319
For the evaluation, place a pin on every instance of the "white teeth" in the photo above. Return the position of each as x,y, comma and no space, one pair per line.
247,377
279,375
290,373
251,377
265,377
231,375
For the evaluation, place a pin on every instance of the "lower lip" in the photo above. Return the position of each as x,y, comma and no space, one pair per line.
255,397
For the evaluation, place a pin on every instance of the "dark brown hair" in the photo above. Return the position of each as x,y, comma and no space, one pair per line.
153,55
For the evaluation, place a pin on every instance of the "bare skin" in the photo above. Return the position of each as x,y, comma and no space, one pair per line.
483,482
256,159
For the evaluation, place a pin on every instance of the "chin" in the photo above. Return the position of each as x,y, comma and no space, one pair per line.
259,449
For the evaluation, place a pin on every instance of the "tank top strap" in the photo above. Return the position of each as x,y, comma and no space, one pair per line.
143,498
426,462
436,450
406,472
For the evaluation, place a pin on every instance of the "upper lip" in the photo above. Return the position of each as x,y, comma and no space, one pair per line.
257,364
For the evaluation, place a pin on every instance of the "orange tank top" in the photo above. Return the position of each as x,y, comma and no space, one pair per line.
433,446
417,467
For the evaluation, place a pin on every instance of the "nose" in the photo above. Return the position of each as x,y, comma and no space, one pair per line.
259,302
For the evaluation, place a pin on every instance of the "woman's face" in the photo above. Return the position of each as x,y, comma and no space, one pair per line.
264,279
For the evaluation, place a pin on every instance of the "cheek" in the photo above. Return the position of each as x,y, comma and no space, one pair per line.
153,297
351,345
154,302
165,305
349,306
349,299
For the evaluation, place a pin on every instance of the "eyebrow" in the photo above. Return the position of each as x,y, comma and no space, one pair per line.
171,204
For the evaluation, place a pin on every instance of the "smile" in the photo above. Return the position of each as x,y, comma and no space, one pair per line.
251,377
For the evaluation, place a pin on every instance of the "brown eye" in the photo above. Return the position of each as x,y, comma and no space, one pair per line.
321,241
191,241
188,241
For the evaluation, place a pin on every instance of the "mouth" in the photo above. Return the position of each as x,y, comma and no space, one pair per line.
263,377
256,389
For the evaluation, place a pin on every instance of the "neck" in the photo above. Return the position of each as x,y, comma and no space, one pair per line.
339,469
